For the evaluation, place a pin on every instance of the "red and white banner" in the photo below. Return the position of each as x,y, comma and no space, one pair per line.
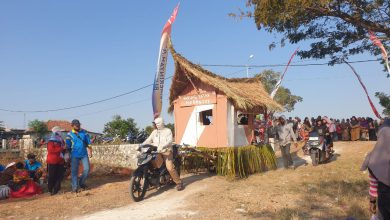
365,90
379,44
273,93
158,85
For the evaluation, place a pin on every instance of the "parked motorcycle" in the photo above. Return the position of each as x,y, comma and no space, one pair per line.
315,147
151,171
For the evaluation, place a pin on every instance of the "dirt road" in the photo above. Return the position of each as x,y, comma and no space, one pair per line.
331,191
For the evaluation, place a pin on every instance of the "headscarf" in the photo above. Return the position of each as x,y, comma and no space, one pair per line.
56,136
378,160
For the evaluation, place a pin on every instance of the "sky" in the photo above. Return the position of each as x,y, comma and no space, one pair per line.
56,54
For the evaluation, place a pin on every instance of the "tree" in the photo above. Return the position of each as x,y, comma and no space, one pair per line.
149,129
39,127
283,96
384,100
336,29
172,127
121,127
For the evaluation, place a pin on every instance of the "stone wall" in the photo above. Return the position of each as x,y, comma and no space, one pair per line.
124,155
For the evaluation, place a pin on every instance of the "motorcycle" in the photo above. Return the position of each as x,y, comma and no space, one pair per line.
315,147
151,171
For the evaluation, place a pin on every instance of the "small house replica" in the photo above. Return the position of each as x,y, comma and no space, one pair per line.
213,111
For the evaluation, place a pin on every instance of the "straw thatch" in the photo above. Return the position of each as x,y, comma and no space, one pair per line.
246,94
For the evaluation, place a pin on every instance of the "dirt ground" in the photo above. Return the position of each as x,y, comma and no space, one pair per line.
336,190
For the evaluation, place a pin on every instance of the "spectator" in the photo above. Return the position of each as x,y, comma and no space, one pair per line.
355,129
371,130
377,163
78,143
7,174
286,134
55,160
33,167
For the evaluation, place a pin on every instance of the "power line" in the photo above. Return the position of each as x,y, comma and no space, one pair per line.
146,86
79,106
282,65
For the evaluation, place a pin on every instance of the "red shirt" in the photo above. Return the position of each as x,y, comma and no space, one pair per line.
54,150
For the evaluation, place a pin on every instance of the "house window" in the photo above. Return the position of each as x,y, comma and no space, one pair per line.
206,117
242,119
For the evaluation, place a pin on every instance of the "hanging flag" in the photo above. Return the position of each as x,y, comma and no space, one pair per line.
273,93
161,65
365,90
379,44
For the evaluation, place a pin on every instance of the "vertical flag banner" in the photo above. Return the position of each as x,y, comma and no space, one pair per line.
379,44
158,85
273,93
365,90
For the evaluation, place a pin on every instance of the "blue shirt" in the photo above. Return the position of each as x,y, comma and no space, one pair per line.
2,168
75,143
32,167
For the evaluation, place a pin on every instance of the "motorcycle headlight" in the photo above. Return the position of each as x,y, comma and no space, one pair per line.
314,143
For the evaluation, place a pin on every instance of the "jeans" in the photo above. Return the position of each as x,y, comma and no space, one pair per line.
287,159
76,182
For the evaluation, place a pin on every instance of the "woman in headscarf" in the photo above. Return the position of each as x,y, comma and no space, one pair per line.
345,130
306,129
355,129
378,164
371,130
364,129
55,160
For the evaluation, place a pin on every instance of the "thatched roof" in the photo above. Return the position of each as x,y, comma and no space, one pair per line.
246,94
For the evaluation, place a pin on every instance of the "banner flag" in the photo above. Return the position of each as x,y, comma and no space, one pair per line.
365,90
158,85
379,44
273,93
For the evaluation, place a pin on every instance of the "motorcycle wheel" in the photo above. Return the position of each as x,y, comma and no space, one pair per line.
314,157
138,188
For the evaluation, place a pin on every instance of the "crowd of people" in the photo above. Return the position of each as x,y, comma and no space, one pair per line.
350,129
26,178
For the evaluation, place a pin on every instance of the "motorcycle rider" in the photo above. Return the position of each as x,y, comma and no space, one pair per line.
161,137
323,131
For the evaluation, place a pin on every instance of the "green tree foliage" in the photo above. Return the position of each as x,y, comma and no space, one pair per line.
172,127
336,29
149,129
384,100
38,127
283,96
120,126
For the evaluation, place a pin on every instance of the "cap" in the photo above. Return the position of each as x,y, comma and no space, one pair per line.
75,122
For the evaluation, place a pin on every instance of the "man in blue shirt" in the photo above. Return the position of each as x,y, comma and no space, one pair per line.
33,167
78,144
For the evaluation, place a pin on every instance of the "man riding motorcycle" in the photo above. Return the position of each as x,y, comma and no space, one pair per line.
161,137
323,131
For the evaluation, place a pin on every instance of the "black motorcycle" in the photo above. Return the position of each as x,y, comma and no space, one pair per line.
315,147
151,171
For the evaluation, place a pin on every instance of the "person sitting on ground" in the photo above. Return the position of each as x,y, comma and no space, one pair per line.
22,185
7,174
33,167
161,137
